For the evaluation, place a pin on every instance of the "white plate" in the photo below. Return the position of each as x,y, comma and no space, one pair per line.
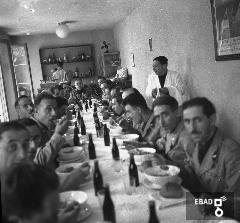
69,196
76,160
148,184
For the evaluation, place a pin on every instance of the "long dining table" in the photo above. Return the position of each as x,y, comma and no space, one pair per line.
129,208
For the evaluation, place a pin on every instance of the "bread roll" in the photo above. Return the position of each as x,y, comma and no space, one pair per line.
171,190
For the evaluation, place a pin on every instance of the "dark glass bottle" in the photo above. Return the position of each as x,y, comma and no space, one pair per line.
133,172
91,148
80,106
75,136
86,105
108,206
97,178
95,107
76,127
74,112
152,213
76,73
115,150
83,127
98,128
106,135
90,103
79,118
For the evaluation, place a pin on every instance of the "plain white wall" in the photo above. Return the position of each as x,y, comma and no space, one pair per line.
182,30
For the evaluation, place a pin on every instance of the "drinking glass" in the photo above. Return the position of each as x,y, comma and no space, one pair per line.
129,189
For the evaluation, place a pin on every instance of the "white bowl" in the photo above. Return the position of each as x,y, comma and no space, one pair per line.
70,196
70,153
64,170
160,177
128,137
115,131
142,154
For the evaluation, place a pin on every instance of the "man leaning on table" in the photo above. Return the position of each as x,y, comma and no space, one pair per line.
166,82
213,159
170,127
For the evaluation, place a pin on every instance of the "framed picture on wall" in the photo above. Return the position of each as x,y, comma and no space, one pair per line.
226,28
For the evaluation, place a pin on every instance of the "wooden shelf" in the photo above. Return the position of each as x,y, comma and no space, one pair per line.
86,61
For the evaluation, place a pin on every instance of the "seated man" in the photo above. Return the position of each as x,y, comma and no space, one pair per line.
77,93
44,116
30,194
137,110
24,107
213,159
170,128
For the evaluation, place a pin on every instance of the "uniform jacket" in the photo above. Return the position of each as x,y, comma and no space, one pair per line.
220,168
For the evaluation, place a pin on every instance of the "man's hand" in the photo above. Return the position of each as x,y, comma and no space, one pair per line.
76,178
163,91
62,126
154,92
193,158
69,213
161,143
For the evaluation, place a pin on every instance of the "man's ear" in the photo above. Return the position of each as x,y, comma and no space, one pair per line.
213,119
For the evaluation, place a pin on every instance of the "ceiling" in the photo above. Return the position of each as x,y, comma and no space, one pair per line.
19,17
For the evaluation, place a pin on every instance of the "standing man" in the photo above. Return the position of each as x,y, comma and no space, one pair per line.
166,82
60,73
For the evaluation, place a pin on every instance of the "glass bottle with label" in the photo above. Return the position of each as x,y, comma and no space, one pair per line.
106,135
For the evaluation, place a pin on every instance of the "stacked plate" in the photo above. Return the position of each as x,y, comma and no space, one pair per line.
74,154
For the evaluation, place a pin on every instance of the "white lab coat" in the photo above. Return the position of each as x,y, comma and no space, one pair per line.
173,82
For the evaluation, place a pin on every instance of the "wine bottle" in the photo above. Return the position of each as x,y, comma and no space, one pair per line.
98,128
74,112
106,135
133,172
79,118
97,178
95,107
108,206
75,136
80,106
76,127
91,148
90,103
152,213
83,127
76,73
115,150
86,105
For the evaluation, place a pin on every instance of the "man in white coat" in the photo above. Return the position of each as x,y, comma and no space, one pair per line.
166,82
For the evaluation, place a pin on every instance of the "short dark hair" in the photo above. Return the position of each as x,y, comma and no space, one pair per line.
161,59
60,64
27,122
166,100
135,99
42,96
25,187
61,101
19,99
12,125
207,106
